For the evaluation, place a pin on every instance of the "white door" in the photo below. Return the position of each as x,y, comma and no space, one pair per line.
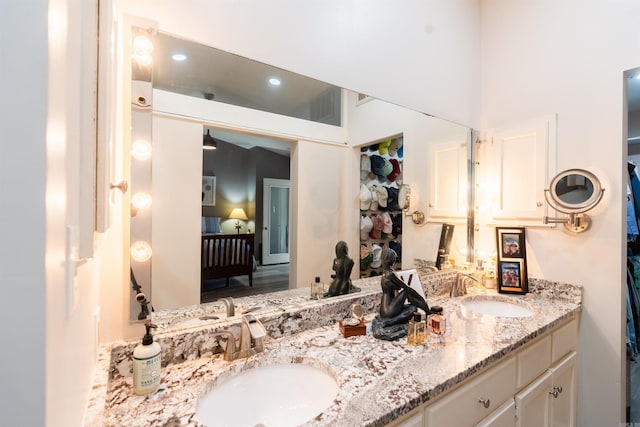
275,233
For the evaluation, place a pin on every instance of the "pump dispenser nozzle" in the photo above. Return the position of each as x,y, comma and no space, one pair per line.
148,338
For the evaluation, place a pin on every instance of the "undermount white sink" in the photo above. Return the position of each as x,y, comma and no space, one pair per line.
497,307
272,395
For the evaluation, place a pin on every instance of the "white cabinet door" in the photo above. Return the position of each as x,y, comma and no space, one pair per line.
504,416
563,408
533,406
523,161
448,182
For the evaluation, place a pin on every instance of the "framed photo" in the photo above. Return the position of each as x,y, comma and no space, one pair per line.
511,243
208,191
512,277
512,260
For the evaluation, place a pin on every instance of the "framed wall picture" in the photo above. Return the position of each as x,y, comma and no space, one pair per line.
208,191
512,260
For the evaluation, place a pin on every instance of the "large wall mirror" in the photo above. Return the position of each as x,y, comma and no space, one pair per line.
298,130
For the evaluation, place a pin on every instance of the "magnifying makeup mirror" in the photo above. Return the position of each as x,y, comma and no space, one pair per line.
573,192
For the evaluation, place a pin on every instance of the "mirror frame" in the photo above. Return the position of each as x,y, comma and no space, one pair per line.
574,208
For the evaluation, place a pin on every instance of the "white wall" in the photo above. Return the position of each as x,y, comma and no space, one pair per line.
48,355
176,210
23,225
544,57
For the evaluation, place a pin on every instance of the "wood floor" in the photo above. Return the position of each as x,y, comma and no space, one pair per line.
266,278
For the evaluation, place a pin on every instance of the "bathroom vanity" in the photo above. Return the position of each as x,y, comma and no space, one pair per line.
484,367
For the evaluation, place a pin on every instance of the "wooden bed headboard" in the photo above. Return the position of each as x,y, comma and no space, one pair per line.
227,255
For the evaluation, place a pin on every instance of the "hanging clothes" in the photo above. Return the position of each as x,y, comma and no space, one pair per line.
635,187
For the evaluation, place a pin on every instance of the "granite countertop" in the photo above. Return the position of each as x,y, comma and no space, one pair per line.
379,380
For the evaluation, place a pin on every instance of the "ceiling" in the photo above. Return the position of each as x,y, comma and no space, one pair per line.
210,73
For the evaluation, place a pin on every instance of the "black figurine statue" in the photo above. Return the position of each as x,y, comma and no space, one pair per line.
391,322
342,266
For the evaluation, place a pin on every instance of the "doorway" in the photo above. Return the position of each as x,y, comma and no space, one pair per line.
275,233
633,245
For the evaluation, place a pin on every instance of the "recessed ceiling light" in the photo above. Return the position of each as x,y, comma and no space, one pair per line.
274,81
179,57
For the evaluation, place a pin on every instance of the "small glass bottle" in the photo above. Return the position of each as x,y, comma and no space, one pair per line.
446,264
417,330
317,289
436,321
480,274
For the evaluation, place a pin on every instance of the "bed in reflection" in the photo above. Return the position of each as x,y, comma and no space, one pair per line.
227,255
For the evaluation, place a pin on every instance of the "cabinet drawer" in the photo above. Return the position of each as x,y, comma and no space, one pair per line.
504,416
533,361
463,407
564,340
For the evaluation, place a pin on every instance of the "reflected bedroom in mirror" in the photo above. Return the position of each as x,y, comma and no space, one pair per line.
225,131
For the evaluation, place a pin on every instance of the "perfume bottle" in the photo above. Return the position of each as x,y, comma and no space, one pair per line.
436,321
417,330
317,289
446,263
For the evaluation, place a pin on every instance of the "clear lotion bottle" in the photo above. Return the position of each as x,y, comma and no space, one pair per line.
146,364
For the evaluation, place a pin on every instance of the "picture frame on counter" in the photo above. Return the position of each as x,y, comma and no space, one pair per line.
512,260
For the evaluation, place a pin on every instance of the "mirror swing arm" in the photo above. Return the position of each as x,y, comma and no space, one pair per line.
577,221
404,199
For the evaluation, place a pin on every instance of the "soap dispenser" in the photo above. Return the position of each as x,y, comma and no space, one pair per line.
146,364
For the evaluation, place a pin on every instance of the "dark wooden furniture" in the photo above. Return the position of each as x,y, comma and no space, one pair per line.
227,255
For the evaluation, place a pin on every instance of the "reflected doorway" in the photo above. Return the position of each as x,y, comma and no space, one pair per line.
275,233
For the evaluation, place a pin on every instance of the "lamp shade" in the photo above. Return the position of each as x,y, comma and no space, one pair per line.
238,213
208,142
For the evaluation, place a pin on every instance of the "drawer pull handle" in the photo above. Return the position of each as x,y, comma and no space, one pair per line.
556,392
485,402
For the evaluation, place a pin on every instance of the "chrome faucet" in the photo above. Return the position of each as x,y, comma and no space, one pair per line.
252,331
231,308
459,288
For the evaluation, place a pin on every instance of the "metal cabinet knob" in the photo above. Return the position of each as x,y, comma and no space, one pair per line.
556,392
485,402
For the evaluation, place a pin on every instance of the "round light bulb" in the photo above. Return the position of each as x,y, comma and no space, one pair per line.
141,149
179,57
140,251
274,81
141,200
